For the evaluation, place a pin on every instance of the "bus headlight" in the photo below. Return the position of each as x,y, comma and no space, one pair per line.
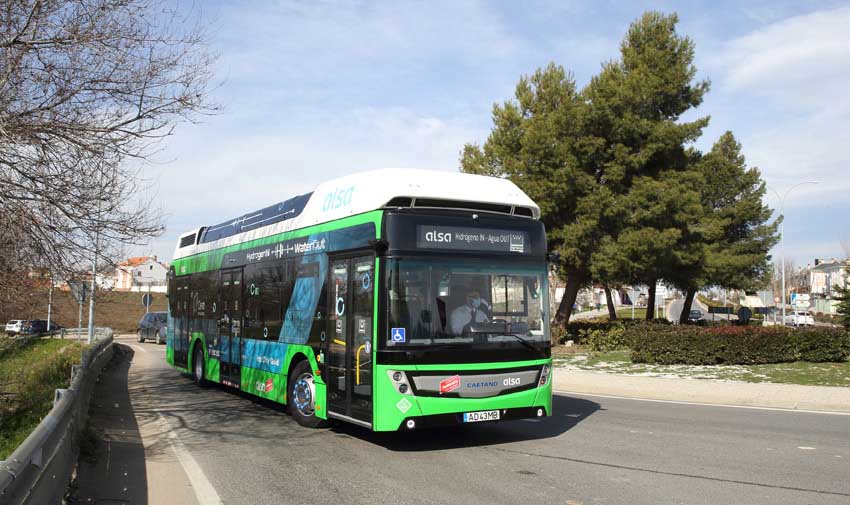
544,375
400,381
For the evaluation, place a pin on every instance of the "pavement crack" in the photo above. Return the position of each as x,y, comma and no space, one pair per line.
673,474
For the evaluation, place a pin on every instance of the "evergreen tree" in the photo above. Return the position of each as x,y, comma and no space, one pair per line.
843,297
735,225
533,144
636,141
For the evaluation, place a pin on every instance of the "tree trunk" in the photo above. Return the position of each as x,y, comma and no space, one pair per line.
565,309
612,312
686,306
650,302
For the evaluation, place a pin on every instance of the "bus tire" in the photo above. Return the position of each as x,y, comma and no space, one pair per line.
198,367
301,396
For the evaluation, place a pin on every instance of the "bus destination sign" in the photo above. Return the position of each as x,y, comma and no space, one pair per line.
472,239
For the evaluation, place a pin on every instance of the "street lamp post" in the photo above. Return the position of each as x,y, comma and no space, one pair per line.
782,233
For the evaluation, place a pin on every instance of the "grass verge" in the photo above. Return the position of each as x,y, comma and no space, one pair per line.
619,362
29,374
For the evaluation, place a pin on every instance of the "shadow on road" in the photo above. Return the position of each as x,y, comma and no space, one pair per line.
112,458
567,413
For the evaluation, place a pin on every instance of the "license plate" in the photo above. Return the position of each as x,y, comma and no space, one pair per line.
485,415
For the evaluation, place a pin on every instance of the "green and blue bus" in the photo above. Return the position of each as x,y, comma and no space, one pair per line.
393,299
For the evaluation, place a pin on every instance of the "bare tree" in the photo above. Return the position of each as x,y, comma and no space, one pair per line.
87,88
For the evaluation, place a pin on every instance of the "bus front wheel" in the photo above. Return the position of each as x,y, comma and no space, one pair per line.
301,396
198,367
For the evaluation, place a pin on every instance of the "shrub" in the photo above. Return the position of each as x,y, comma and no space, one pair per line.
603,334
736,345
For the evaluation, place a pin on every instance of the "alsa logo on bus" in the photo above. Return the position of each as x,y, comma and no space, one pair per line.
338,199
436,236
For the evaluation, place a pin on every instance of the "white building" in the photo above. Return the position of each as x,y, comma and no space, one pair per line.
822,278
137,273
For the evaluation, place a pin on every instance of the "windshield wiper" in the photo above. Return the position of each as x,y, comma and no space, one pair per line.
523,341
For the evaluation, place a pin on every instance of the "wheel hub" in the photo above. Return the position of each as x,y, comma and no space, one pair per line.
304,394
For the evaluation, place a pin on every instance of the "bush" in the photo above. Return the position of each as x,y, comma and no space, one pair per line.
603,334
736,345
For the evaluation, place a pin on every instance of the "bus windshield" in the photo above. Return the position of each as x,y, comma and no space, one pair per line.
469,303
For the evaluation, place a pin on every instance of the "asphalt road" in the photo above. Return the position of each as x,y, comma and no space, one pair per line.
218,446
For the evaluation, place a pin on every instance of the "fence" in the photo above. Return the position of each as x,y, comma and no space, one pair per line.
39,470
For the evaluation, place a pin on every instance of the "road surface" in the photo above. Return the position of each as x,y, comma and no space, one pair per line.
171,442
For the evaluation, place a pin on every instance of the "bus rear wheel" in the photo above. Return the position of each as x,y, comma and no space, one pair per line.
198,367
301,396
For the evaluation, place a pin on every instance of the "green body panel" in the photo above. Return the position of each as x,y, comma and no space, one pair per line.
388,417
211,260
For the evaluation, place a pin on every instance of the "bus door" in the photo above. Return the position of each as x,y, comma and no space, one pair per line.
350,296
181,322
230,326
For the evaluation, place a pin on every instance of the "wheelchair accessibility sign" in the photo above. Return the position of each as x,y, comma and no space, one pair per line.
398,335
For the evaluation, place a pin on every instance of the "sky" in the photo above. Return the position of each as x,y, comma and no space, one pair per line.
314,90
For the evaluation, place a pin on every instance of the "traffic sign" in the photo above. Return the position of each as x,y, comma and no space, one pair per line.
720,310
79,290
147,300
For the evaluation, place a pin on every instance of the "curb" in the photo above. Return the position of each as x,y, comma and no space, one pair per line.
703,391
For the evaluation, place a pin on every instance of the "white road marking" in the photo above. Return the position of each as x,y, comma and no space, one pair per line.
805,448
204,490
679,402
138,348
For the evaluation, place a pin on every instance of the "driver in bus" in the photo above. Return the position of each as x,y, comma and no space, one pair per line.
473,311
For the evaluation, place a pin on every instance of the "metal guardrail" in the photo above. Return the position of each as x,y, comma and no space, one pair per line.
100,333
39,470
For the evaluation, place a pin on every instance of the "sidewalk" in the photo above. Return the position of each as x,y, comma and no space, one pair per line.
784,396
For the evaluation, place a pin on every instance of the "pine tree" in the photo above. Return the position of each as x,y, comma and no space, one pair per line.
842,294
735,226
636,140
533,143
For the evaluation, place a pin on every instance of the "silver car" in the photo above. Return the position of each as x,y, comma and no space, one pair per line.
15,326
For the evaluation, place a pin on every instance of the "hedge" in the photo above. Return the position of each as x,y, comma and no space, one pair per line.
736,345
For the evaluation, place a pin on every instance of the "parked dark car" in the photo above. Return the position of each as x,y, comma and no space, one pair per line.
152,326
38,326
694,317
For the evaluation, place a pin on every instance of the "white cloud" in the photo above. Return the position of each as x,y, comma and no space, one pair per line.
216,175
787,84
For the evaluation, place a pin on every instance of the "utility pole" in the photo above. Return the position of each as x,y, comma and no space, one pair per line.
93,285
49,302
782,234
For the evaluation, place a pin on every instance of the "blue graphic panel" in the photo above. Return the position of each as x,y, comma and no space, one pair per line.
263,355
225,349
305,298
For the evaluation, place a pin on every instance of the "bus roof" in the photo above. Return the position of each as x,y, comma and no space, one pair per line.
363,192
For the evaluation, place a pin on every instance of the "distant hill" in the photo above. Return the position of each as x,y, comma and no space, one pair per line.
120,311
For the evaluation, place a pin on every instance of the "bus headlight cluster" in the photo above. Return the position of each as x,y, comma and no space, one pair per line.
544,375
400,381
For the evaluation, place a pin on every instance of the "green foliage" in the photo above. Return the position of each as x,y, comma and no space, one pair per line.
843,297
604,335
29,375
623,196
737,345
